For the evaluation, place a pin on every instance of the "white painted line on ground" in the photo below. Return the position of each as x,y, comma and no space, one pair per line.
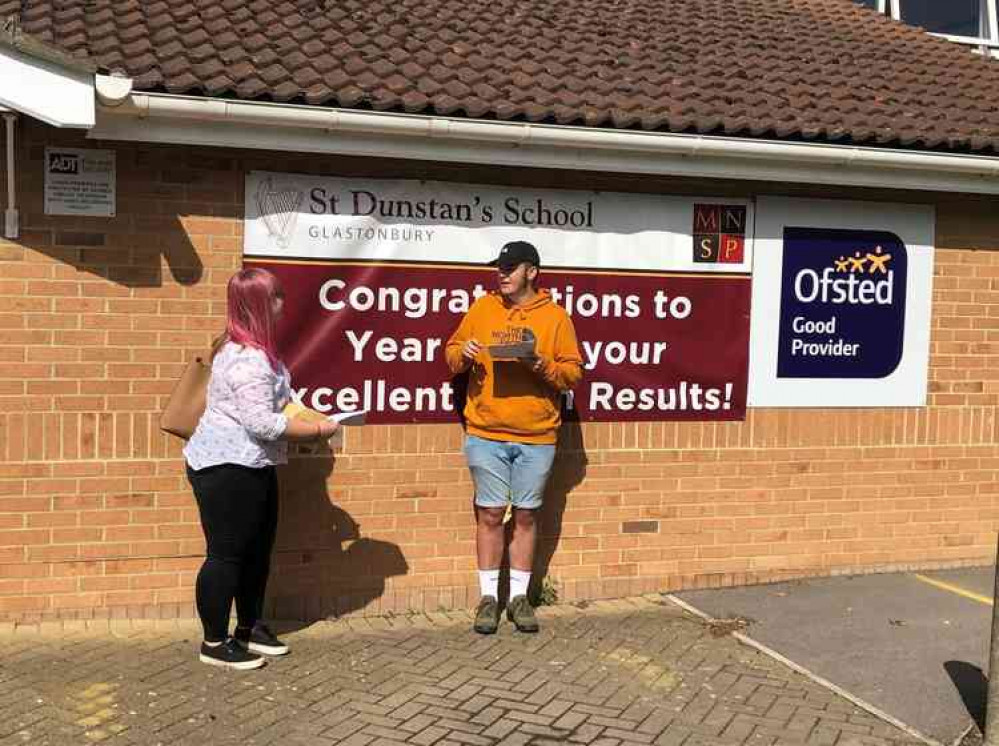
746,640
964,734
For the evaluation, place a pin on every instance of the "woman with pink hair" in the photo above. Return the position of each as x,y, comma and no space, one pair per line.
231,459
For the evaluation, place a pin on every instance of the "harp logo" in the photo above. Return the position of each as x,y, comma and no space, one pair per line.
278,207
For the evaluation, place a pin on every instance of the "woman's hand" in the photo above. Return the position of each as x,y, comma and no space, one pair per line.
310,429
326,429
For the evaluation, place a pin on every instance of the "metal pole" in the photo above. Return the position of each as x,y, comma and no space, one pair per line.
992,704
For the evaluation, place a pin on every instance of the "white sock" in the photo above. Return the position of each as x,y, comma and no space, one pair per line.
489,582
519,580
212,644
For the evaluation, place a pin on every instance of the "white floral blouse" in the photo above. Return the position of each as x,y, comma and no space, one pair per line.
242,423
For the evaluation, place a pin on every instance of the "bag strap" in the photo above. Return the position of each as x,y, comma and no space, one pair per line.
214,350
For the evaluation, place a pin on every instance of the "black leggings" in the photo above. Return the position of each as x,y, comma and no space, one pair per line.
239,509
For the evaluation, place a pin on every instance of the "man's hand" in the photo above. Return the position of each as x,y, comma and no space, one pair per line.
536,363
471,349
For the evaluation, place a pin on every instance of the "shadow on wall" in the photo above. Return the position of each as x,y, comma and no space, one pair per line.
129,251
168,209
973,687
126,259
568,472
323,566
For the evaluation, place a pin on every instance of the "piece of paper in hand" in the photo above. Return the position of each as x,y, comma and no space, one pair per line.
519,350
350,418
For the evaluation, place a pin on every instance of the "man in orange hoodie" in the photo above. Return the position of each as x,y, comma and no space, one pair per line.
512,416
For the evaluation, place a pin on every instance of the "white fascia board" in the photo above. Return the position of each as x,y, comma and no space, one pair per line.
190,121
45,90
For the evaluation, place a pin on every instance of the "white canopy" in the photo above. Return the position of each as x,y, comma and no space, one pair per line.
45,84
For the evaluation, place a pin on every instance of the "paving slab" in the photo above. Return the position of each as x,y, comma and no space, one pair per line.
911,648
637,672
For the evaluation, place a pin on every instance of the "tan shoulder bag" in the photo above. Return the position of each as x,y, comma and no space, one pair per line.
187,400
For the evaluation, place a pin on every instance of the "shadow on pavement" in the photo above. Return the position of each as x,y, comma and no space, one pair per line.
972,685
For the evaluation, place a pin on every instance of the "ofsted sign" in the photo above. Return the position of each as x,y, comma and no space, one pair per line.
841,304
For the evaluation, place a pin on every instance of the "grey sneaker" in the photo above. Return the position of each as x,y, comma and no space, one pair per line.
486,616
521,613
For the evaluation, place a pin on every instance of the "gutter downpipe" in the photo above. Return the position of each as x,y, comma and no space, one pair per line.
517,134
10,222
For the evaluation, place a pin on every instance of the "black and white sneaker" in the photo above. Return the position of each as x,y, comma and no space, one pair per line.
229,654
260,640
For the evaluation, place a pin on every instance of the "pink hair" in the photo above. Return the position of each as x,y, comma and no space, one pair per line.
250,311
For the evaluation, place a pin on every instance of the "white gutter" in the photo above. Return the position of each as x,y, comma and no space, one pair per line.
283,127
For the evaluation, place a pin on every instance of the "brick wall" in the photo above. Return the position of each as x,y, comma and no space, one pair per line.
97,317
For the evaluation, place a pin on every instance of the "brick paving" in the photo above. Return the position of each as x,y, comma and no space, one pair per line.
622,673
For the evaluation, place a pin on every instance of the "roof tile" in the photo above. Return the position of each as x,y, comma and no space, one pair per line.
251,88
218,85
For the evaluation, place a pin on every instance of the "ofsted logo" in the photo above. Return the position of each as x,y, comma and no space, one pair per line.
842,311
810,287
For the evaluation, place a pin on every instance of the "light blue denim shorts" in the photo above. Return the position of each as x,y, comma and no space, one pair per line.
504,472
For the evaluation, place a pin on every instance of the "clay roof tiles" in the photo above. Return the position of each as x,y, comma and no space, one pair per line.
817,70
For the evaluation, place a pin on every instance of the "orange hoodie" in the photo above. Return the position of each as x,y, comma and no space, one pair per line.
507,400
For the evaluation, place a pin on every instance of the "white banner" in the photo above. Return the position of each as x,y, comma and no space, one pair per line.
379,274
298,216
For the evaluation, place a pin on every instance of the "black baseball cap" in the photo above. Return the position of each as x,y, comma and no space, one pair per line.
516,252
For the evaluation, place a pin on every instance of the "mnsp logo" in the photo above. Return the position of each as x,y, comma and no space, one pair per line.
719,233
842,306
64,163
